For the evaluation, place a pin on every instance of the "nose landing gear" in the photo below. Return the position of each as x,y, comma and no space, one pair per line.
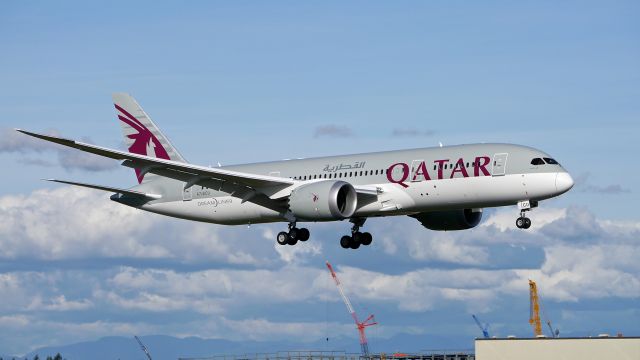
523,222
293,236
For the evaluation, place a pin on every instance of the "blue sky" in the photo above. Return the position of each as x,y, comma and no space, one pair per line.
235,82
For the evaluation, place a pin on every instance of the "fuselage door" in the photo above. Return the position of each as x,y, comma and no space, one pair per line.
499,164
187,194
415,168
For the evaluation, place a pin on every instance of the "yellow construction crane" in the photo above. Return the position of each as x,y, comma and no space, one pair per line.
534,312
534,309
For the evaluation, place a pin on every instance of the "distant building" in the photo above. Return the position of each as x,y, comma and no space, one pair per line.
597,348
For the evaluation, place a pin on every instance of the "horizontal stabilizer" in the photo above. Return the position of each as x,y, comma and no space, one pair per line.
131,193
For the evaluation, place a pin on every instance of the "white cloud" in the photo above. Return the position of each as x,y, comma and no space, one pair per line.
58,303
77,223
582,257
424,289
593,272
71,222
210,291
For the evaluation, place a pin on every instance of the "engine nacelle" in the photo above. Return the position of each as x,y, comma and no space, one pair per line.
450,219
324,200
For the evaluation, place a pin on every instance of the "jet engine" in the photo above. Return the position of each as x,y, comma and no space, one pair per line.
323,200
450,219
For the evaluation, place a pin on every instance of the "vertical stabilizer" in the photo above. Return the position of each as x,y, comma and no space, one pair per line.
141,135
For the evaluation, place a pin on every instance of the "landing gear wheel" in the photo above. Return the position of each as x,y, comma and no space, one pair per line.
294,233
282,238
292,240
366,239
303,234
527,223
345,242
520,222
355,243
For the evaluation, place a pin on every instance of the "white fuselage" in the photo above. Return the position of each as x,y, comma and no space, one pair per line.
401,186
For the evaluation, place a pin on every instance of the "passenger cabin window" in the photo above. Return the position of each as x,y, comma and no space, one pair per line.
537,161
551,161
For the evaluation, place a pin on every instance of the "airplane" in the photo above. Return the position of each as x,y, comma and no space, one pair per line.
445,188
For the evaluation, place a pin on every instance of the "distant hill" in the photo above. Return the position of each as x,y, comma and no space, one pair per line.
164,347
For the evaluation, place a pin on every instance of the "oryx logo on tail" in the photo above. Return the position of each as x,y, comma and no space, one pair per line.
142,142
141,135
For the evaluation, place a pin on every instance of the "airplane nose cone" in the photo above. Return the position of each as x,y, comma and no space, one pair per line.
564,182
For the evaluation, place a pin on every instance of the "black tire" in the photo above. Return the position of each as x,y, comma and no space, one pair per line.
354,244
292,240
520,223
303,234
527,223
345,242
357,237
293,233
282,238
366,239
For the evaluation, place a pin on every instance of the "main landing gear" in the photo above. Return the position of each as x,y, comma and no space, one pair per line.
523,222
357,238
293,235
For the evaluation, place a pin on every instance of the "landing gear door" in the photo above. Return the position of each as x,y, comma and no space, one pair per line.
499,164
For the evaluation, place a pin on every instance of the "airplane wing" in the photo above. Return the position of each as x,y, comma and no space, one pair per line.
172,169
131,193
247,186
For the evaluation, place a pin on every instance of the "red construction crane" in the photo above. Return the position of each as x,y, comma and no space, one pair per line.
360,325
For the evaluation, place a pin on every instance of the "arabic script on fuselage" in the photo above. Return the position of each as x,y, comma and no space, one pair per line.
342,166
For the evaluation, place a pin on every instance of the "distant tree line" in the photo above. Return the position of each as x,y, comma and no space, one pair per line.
37,357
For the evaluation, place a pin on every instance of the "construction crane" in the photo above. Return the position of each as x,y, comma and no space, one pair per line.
144,348
360,325
554,332
535,307
485,328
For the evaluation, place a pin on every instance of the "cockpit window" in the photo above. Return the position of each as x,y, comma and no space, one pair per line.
537,161
551,161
